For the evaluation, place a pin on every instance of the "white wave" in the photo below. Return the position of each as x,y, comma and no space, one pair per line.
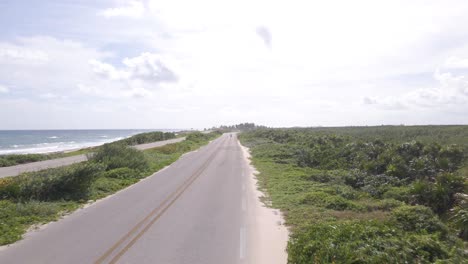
53,137
53,147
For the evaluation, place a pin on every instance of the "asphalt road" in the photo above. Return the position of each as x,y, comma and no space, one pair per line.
192,212
54,163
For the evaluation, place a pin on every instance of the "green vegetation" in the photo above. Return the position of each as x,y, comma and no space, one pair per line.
147,138
367,195
240,127
40,197
16,159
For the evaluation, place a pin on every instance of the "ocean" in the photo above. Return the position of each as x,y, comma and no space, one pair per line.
47,141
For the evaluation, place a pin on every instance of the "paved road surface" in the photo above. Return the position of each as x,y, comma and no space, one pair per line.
192,212
46,164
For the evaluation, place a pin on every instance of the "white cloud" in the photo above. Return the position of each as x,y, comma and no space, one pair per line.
451,92
369,100
455,62
132,8
13,54
106,70
147,67
65,66
386,103
4,89
265,34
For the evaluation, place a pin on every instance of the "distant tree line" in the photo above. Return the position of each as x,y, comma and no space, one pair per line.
239,127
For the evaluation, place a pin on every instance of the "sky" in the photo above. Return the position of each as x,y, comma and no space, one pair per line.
196,64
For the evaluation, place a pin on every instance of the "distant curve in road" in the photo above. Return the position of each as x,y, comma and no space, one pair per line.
54,163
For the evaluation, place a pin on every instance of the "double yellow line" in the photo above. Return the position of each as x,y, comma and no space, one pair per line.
152,217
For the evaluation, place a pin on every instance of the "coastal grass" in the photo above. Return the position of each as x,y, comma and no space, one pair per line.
36,198
340,211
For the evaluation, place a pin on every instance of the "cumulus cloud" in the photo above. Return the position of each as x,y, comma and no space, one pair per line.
133,9
41,66
451,91
11,53
455,62
265,34
147,67
369,101
106,70
386,103
4,89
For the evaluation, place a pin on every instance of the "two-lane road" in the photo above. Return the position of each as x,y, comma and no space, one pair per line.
192,212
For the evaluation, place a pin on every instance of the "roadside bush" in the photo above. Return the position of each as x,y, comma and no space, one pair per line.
117,155
5,163
147,138
122,173
15,159
9,187
65,183
197,137
362,242
104,186
16,217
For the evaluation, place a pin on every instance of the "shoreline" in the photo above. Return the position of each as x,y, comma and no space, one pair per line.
63,151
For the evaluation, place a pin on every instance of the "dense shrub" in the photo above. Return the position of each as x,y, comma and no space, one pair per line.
122,173
67,183
460,219
147,138
400,193
362,242
409,160
438,195
375,185
417,219
117,155
197,137
15,159
15,218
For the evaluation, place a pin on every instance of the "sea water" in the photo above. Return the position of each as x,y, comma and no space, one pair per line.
47,141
